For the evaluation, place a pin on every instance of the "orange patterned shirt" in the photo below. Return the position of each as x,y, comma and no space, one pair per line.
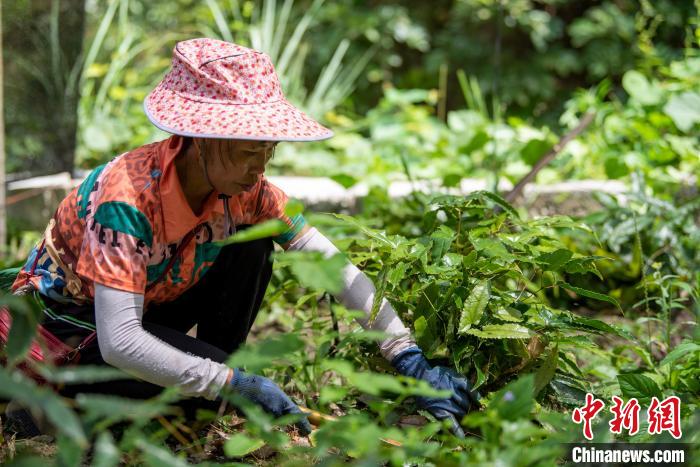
121,226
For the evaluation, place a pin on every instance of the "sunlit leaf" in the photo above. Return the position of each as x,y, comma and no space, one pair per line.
239,445
106,453
293,207
474,306
313,269
344,179
255,357
684,110
501,331
680,351
641,90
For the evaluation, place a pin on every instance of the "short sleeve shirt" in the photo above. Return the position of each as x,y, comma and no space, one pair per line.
128,218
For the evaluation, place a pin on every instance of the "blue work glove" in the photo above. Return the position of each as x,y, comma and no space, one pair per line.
411,362
263,392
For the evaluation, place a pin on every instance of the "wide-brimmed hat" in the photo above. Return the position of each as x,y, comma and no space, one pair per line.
216,89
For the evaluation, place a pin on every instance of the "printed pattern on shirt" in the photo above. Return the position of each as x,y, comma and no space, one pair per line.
111,230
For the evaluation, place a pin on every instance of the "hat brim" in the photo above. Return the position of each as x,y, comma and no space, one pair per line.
272,121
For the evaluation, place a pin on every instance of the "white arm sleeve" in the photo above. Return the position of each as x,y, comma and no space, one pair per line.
358,294
125,344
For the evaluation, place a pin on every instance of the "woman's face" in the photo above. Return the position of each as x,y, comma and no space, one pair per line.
234,166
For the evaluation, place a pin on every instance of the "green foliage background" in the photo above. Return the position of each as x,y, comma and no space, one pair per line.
527,57
536,311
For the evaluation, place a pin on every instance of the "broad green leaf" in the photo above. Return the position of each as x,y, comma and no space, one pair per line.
159,457
501,331
515,400
255,357
547,370
490,247
25,317
293,207
270,228
681,350
451,180
106,452
615,167
496,199
397,273
422,330
568,393
638,386
640,89
474,306
345,180
240,445
312,269
534,150
70,452
508,314
684,110
555,259
380,236
425,336
589,294
442,240
469,260
332,394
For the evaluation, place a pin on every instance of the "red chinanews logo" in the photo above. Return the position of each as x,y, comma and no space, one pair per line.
661,416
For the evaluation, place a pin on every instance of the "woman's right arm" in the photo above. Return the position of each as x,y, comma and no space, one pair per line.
125,344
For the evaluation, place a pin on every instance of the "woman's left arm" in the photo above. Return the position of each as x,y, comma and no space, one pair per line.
358,294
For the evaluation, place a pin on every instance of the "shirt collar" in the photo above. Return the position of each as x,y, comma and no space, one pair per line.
178,218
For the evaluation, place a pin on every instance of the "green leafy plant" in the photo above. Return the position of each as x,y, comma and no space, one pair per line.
476,285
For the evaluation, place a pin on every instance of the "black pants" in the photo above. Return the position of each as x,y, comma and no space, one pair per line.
223,305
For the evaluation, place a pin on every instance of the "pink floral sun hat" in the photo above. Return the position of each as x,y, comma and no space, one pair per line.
216,89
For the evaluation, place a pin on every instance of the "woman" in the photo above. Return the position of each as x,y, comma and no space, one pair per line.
130,255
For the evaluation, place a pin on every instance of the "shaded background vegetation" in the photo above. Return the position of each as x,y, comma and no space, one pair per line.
527,56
